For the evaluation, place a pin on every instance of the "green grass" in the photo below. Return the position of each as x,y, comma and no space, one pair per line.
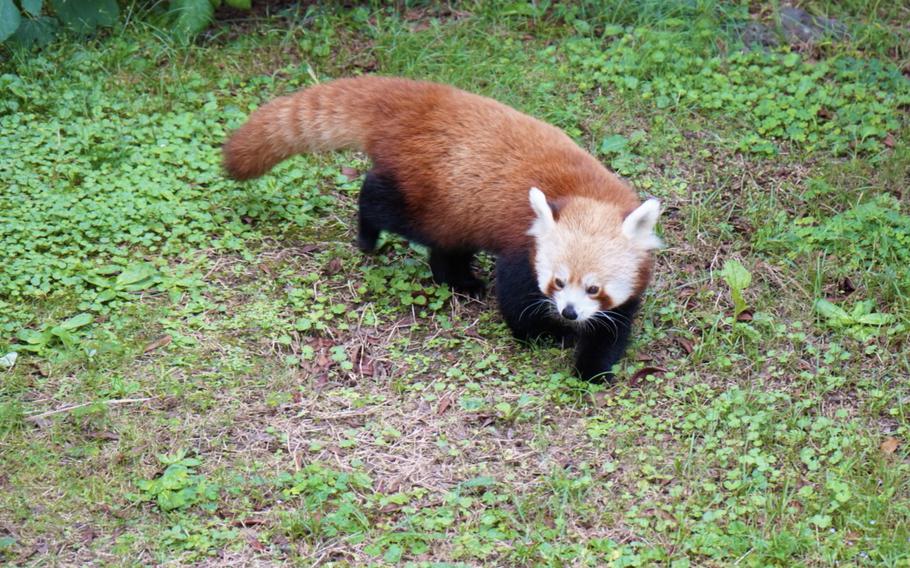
210,371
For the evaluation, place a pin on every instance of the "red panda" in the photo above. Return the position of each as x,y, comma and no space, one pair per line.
461,173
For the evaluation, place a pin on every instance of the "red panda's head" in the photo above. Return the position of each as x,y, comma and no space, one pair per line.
590,256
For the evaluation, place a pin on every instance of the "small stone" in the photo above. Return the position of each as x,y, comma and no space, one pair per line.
801,26
758,35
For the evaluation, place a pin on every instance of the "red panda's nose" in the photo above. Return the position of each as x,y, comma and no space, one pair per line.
569,313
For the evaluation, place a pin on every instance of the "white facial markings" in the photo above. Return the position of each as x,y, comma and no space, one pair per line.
619,291
543,266
588,281
562,274
575,296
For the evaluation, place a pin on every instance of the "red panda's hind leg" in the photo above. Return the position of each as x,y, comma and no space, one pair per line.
454,269
381,208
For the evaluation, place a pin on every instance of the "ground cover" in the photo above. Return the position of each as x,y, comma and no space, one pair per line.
209,371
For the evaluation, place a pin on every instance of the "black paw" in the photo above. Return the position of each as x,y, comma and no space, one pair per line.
469,286
595,375
367,243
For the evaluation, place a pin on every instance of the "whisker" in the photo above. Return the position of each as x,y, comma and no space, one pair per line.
537,305
614,317
606,318
614,326
622,317
529,306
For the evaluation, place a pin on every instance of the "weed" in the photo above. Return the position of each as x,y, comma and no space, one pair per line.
842,106
179,486
738,279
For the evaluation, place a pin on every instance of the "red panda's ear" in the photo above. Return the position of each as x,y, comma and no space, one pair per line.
638,225
542,210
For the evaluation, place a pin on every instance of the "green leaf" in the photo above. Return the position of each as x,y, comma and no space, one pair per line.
67,338
106,296
83,16
77,321
109,269
168,459
861,308
791,59
32,337
481,481
614,144
821,521
736,275
97,280
33,7
470,404
36,31
239,4
876,319
582,27
192,16
834,314
135,275
738,279
393,554
9,19
612,30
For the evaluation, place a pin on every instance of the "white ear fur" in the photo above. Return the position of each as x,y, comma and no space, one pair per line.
639,225
541,209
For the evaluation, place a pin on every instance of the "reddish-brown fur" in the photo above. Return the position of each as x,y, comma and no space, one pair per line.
464,162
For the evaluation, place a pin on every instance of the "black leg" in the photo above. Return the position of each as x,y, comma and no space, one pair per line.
454,269
600,349
526,310
367,234
381,208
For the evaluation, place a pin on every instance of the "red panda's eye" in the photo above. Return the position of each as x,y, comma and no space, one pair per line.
559,284
592,290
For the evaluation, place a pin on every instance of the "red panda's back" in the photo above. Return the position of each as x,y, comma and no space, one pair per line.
466,163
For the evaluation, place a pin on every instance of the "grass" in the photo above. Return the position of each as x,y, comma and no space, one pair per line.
246,387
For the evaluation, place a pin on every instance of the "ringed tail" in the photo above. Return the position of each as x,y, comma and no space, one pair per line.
330,116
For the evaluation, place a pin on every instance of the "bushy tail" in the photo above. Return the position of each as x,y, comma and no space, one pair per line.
330,116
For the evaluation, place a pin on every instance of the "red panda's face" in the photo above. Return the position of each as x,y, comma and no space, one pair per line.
577,299
591,259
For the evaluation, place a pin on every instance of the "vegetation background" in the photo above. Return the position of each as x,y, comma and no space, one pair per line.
197,370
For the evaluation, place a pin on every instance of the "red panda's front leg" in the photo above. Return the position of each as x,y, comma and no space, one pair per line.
529,314
603,345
